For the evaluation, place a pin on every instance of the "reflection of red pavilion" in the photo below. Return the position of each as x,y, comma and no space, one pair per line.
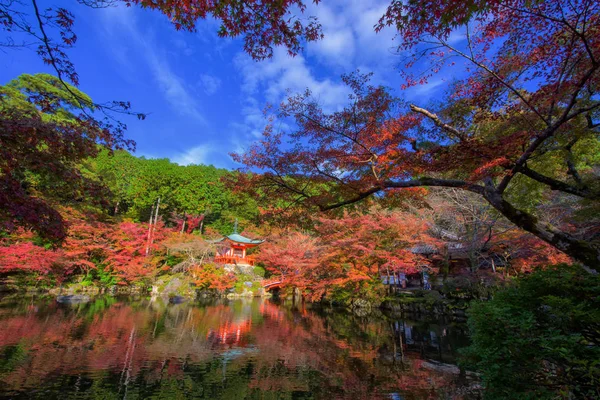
232,249
231,333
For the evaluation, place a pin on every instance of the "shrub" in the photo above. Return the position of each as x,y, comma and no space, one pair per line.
475,287
211,276
539,338
259,271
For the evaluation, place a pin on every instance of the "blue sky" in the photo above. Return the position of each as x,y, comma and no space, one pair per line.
203,94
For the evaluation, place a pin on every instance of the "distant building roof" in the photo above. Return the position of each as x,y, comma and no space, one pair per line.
423,249
443,233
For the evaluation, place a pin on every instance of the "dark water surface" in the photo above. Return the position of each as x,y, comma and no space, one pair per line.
126,348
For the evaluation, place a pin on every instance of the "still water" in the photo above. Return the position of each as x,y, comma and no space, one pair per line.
127,348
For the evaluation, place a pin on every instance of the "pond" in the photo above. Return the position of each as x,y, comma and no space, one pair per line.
138,348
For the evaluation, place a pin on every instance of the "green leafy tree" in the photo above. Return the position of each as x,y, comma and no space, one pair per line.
539,339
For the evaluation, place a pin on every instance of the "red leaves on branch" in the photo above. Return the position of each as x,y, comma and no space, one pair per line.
263,24
529,93
187,223
290,256
128,250
29,258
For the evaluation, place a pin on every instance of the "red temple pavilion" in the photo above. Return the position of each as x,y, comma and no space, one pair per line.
232,249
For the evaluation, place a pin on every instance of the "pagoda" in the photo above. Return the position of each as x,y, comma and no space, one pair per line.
232,249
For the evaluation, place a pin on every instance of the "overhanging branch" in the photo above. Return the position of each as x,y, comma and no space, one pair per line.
420,182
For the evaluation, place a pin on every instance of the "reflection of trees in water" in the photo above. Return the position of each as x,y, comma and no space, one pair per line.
223,350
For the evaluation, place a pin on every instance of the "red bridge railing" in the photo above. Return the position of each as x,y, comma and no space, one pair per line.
272,283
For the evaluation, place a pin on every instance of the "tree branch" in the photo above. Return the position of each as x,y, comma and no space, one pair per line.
420,182
555,184
438,122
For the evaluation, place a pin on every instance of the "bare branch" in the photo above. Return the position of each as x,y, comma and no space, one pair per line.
438,122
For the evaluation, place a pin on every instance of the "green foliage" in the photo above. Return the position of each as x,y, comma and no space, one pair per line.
102,276
61,105
540,338
12,357
240,284
259,271
136,183
469,288
371,291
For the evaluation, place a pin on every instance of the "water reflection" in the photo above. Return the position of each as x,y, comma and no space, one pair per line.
255,349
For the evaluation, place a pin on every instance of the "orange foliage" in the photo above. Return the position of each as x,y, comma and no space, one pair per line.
211,276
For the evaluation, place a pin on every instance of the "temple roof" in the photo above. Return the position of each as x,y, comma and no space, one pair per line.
235,237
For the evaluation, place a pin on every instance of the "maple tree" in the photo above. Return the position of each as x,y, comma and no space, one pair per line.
289,256
525,114
27,257
86,245
212,276
360,248
187,223
45,134
128,256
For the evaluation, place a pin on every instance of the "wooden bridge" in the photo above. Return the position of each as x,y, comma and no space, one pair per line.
272,284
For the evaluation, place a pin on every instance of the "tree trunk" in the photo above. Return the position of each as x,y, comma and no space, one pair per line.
578,249
183,224
149,230
155,221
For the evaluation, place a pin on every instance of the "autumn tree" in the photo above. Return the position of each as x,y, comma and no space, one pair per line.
194,250
524,116
289,256
23,256
212,276
359,248
346,257
128,257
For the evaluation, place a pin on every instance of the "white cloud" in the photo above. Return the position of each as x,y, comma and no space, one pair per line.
429,87
457,37
210,83
281,73
195,155
350,37
271,80
123,19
